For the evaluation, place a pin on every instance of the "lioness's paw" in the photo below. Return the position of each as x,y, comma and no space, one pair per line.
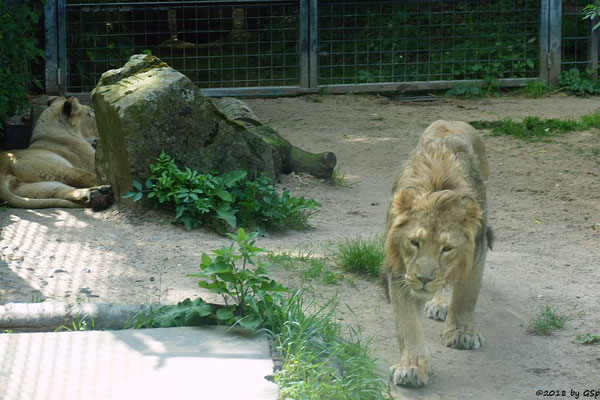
462,339
436,310
410,372
101,197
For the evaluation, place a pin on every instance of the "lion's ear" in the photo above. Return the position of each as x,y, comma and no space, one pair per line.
403,200
71,109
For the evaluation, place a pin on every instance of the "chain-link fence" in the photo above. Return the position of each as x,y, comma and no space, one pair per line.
300,46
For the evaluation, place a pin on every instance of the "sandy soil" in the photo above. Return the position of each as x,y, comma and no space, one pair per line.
544,201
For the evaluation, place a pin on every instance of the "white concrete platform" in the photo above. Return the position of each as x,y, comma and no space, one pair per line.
167,363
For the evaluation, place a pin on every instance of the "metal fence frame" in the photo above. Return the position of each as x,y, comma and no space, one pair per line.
550,63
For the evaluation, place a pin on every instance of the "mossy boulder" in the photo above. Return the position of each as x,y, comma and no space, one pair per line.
145,107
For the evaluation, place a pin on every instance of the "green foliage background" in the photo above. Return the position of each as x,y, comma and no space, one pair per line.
18,50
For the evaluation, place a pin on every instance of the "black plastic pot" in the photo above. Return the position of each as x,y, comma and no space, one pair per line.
17,131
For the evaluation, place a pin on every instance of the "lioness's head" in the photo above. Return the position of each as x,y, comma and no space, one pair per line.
78,117
433,235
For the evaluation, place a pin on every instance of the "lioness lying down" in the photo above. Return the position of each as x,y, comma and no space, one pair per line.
57,170
436,244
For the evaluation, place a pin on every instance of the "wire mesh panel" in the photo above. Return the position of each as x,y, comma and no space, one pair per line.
576,36
216,44
427,40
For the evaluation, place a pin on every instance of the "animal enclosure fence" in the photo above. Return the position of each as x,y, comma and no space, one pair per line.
242,47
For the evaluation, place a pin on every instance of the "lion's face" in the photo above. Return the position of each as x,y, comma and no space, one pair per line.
434,236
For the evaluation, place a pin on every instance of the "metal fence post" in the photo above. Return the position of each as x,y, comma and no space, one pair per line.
555,39
304,45
51,48
593,44
313,44
544,40
61,13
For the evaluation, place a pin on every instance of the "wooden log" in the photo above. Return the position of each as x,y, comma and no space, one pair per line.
287,157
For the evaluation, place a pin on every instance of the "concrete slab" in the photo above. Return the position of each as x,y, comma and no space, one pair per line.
166,363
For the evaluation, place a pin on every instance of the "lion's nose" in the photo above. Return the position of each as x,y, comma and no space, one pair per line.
424,279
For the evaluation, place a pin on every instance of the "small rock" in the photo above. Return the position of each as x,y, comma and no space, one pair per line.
86,271
60,271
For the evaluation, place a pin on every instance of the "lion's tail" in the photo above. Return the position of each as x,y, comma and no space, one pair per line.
14,200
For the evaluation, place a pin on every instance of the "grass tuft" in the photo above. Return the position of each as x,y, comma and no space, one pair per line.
548,320
361,255
318,361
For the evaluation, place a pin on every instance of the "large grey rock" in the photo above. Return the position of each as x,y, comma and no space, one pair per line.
146,106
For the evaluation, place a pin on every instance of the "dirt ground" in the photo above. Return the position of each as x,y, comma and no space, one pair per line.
544,201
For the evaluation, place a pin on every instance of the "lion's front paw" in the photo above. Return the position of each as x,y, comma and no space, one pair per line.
101,197
462,339
436,310
413,372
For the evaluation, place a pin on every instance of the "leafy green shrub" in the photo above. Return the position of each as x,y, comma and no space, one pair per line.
361,255
579,83
222,201
469,90
241,277
17,50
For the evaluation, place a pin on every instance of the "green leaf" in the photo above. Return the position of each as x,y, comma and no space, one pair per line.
250,323
148,184
129,194
138,196
227,216
232,177
206,260
224,195
224,314
137,185
530,63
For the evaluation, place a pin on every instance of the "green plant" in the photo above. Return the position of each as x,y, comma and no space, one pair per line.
160,271
221,202
587,338
319,360
361,255
80,323
535,89
317,265
18,50
548,319
591,12
579,83
250,295
338,177
3,207
331,277
535,128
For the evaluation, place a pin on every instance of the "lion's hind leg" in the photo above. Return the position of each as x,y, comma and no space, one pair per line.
437,308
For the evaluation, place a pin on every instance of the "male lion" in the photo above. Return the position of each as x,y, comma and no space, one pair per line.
57,170
436,244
